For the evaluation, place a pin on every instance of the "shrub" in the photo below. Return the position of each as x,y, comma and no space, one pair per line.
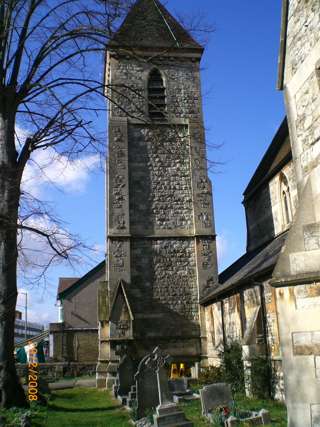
232,366
211,375
262,382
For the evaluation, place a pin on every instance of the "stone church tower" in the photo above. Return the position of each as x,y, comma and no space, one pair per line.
161,240
297,273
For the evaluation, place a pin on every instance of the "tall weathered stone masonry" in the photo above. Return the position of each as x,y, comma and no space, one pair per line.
297,274
161,238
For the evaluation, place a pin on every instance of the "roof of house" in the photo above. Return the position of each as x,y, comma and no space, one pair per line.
149,24
68,285
277,155
65,283
248,268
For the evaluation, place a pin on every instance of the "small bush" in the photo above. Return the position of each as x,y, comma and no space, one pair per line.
232,366
262,383
211,375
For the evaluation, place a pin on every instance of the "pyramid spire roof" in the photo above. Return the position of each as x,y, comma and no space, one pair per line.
150,25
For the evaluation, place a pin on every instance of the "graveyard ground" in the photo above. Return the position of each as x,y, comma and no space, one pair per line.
82,407
277,410
95,408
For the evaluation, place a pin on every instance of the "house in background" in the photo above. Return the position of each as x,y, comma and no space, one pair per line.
75,337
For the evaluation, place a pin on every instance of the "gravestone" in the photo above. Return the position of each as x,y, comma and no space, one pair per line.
168,413
126,371
178,386
215,395
180,391
25,421
146,388
256,419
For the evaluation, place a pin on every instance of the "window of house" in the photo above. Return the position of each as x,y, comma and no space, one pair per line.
285,200
156,96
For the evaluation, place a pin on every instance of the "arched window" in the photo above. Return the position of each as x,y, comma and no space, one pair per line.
285,200
156,96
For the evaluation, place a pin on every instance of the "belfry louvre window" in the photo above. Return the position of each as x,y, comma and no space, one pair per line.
156,96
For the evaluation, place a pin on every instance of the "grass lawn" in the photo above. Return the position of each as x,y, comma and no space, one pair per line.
95,408
82,407
277,410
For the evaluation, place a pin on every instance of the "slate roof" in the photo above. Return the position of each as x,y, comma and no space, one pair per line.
67,285
272,159
249,267
149,24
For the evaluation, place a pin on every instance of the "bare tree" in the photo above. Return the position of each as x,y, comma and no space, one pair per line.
48,82
50,51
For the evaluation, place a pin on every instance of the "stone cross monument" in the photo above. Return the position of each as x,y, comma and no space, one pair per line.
161,237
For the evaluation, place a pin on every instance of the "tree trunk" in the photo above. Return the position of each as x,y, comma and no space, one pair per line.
11,391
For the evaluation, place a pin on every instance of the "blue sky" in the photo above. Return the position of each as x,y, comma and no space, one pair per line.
242,110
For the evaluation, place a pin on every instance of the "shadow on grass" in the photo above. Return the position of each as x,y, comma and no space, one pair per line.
55,408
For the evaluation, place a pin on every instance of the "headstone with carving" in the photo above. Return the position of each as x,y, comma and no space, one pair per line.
215,395
168,413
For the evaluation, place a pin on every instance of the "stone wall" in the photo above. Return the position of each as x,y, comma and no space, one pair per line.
166,270
301,83
161,238
265,211
297,273
55,371
245,318
181,78
75,346
303,33
160,179
232,320
307,121
214,327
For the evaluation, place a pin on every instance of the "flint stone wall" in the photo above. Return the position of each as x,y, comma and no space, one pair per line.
264,209
307,120
160,179
182,82
303,32
167,270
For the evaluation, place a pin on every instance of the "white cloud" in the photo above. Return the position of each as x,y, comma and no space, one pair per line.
222,247
21,136
48,167
99,249
40,305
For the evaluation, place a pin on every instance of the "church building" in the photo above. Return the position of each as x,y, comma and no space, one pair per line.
161,284
269,300
161,241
